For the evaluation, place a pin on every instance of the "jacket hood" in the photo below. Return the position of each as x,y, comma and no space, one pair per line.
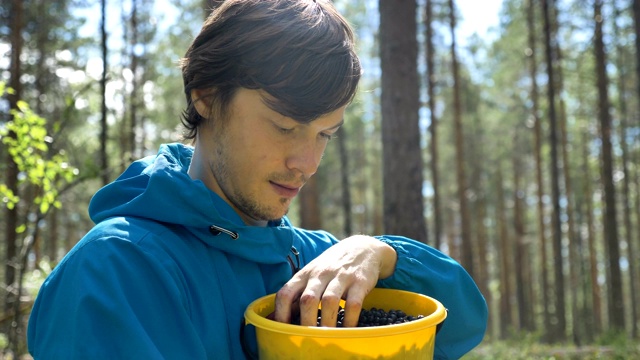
159,188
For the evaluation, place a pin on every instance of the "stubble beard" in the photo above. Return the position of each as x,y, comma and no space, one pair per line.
246,203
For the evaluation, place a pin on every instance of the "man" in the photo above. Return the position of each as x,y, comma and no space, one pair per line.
185,240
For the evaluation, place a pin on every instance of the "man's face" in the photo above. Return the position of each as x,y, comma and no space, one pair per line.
256,159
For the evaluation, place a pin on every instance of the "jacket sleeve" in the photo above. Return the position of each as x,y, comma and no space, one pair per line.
108,299
423,269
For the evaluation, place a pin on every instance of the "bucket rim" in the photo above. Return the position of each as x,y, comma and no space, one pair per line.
429,321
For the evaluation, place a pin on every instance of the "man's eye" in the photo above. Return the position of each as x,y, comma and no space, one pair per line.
284,130
328,137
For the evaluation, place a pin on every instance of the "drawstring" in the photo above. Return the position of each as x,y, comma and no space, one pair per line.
216,230
294,267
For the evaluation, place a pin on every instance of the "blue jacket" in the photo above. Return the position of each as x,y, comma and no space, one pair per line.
169,269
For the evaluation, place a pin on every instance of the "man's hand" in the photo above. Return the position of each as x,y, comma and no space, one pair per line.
348,270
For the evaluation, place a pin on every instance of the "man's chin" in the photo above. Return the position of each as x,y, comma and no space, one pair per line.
283,214
273,216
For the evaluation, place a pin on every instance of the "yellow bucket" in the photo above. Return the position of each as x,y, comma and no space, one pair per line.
410,340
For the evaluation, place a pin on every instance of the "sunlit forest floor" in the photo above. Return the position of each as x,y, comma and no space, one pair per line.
527,351
486,352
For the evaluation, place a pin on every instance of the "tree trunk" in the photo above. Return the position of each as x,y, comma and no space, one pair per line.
104,164
614,293
133,95
626,184
465,232
402,155
574,264
52,244
596,297
557,331
542,240
505,255
479,208
41,35
482,273
452,241
310,217
344,177
568,189
522,271
11,214
431,84
636,24
637,206
123,133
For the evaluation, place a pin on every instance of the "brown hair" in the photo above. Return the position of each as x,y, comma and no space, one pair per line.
300,52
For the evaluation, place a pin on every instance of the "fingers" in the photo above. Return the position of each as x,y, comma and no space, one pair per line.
331,298
287,303
331,304
353,306
309,301
305,301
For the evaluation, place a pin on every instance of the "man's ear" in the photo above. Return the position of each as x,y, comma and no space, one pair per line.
201,102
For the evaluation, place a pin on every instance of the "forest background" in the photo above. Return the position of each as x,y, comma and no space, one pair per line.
517,153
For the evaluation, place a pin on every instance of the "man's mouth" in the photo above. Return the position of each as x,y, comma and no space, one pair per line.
285,190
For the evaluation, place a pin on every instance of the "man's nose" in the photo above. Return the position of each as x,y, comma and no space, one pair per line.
305,158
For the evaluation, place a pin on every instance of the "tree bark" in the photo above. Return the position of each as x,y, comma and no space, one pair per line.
104,164
344,178
431,84
614,293
310,217
557,331
626,183
123,134
133,95
596,297
537,135
465,230
505,255
636,25
52,244
11,215
521,256
576,328
402,154
478,187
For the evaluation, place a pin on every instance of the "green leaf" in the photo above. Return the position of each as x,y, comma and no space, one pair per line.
21,228
22,105
44,207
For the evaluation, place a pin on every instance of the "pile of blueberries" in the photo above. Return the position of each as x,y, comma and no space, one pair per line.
370,317
379,317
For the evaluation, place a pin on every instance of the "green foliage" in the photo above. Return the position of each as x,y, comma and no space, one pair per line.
617,339
4,341
26,140
529,346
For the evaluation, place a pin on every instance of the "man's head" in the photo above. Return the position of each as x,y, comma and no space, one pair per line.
267,83
299,52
